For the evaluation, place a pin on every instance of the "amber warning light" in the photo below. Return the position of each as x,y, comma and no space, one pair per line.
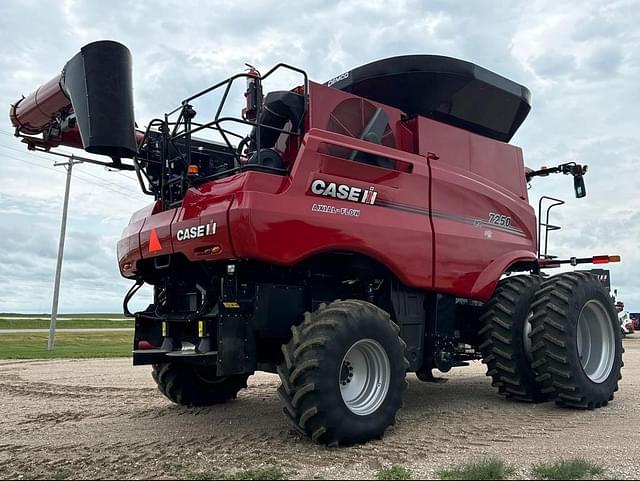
605,259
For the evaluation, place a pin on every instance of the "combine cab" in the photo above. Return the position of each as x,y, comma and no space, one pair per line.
339,234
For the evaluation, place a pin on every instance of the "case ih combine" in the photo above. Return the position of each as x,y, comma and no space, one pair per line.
358,230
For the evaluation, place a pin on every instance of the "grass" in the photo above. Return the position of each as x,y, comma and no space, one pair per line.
246,474
490,468
394,473
568,469
266,473
88,323
92,315
60,475
67,345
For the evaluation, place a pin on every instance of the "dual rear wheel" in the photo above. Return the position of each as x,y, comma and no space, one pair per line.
555,339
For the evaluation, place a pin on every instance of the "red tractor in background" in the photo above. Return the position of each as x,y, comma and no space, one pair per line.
354,231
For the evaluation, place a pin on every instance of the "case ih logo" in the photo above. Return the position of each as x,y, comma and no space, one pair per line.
344,192
197,231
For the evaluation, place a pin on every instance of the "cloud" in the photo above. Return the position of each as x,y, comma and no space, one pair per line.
605,60
553,64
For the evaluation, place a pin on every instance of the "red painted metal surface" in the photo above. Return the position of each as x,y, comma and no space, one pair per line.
129,244
33,114
472,178
430,223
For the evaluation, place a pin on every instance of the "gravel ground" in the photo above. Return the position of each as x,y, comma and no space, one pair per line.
104,418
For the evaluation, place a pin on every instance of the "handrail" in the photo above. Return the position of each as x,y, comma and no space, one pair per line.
183,128
548,227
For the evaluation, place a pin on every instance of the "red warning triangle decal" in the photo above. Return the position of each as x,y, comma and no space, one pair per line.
154,242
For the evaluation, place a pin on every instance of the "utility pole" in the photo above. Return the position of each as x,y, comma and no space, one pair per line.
63,229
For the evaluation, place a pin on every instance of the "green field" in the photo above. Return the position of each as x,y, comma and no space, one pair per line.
76,323
67,345
92,315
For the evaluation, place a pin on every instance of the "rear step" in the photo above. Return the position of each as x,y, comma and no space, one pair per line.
190,353
160,356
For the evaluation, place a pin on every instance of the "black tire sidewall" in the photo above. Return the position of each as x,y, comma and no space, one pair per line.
522,309
583,293
184,386
502,334
354,427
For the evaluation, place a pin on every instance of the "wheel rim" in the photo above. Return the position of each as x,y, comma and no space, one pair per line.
596,341
364,377
526,333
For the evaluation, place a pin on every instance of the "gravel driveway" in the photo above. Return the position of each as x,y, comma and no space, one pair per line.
105,418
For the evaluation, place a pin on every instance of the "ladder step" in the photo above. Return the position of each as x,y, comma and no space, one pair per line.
191,353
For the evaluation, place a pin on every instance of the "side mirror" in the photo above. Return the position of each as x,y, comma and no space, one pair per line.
578,186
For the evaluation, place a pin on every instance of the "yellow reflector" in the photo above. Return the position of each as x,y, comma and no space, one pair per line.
208,251
231,305
164,329
200,328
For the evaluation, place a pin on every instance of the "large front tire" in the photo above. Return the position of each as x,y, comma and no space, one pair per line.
577,345
196,386
344,373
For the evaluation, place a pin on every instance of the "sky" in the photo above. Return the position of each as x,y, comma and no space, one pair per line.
579,59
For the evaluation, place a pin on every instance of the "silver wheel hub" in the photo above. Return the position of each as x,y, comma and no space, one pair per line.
364,377
528,343
596,341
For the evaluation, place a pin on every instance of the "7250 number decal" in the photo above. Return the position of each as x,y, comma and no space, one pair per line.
497,219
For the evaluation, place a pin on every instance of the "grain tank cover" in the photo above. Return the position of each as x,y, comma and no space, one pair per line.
446,89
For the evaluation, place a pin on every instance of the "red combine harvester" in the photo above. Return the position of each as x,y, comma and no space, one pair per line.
357,230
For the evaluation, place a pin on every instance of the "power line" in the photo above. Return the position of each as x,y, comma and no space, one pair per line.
126,176
103,181
60,172
67,153
104,186
32,163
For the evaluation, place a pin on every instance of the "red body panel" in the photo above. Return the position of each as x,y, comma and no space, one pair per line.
129,244
32,115
285,229
430,223
473,176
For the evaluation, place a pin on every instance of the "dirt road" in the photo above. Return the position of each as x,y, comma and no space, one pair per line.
104,418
